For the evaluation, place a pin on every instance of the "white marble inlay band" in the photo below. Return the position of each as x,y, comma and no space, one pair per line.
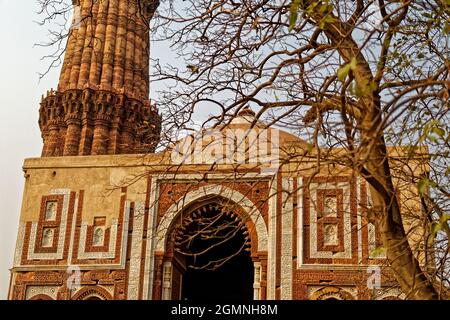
227,193
136,251
114,237
347,253
150,249
62,232
19,245
300,222
272,248
286,239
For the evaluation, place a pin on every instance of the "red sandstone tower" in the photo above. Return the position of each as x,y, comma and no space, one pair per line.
102,103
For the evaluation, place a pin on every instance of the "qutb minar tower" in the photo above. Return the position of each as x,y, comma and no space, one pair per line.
102,102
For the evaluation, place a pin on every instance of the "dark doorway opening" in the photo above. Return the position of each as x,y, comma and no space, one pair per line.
217,260
232,281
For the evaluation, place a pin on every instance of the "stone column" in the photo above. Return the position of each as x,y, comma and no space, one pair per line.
263,284
62,138
114,136
126,139
121,44
157,276
138,56
68,57
45,149
51,143
87,133
110,42
99,43
146,67
101,134
79,46
257,281
88,46
129,54
73,136
167,281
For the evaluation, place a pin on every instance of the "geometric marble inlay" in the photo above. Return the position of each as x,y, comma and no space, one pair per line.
47,237
331,234
50,210
99,236
330,206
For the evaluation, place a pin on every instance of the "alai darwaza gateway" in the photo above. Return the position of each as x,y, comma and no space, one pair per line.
107,215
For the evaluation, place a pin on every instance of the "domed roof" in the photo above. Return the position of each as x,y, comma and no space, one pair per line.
243,139
246,119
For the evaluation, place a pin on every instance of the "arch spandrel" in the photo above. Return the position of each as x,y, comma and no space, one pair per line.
249,210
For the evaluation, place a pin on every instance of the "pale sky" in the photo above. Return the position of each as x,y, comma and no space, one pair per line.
20,94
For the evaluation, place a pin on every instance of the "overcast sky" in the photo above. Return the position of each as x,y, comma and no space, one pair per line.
20,92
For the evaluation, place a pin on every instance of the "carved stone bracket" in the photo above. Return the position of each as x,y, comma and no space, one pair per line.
85,122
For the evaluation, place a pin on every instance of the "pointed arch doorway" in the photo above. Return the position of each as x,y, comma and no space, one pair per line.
174,279
211,257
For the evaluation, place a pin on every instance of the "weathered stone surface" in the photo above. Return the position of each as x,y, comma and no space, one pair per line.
102,103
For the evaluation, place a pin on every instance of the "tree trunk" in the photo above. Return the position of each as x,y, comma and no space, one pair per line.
404,264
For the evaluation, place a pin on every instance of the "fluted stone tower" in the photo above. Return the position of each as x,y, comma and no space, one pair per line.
102,102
